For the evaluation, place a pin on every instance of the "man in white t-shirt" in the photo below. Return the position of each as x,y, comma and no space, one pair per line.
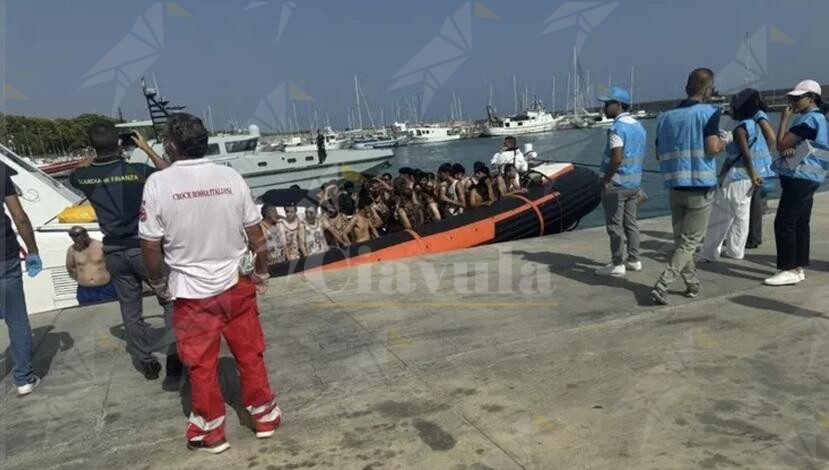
212,298
510,153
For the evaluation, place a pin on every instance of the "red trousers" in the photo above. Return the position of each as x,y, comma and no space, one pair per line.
200,325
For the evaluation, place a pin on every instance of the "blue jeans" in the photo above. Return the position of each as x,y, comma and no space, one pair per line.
13,307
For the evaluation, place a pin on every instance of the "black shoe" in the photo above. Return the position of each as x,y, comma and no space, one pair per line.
174,366
659,296
752,246
150,369
692,292
214,448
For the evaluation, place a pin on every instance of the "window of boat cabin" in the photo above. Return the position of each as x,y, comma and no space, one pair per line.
248,145
213,149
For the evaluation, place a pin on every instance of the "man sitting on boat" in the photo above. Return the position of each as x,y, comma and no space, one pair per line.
510,153
452,198
86,264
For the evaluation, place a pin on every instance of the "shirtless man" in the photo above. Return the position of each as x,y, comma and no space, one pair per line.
508,182
86,264
452,198
361,228
333,223
465,183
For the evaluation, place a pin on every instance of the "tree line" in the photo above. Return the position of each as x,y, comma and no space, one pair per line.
42,137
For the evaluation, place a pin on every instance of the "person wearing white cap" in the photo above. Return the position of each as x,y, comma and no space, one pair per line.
804,150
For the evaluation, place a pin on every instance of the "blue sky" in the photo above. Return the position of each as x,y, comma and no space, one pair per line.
229,58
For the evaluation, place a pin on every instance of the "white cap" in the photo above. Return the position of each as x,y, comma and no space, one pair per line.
528,147
806,86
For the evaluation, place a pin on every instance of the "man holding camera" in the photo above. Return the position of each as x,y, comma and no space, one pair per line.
114,187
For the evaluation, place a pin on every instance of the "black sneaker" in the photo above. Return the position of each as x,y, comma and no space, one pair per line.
692,292
150,369
174,366
659,296
214,448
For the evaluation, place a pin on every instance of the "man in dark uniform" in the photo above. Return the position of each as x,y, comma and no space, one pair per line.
114,187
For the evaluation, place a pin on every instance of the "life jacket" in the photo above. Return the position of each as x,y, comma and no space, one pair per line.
681,147
634,136
760,154
815,164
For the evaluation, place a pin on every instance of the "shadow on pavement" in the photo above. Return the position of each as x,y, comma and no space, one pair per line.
46,347
581,269
764,303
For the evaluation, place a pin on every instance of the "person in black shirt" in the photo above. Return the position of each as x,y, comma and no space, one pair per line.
114,187
12,297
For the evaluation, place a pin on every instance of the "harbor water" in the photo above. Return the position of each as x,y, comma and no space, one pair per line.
584,146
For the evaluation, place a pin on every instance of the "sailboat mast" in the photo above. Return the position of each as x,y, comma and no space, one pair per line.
632,87
553,102
576,83
515,92
748,57
359,105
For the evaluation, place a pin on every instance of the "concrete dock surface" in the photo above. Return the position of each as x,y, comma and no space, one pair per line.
513,356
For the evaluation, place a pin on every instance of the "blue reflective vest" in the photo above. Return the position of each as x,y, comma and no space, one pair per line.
816,163
681,147
634,136
760,154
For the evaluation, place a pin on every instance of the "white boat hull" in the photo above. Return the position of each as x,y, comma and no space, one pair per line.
313,177
268,170
522,130
436,140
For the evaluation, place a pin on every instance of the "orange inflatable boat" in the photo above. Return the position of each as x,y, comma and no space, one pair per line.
565,194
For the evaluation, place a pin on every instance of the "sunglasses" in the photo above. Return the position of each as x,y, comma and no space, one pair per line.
795,99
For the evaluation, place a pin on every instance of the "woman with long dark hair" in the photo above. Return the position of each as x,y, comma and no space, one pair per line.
748,163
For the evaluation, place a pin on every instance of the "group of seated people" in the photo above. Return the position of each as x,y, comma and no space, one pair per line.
383,204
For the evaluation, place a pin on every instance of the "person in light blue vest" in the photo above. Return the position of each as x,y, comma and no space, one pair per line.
688,140
621,172
804,150
747,164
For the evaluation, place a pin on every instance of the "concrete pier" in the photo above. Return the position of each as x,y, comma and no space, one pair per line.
500,357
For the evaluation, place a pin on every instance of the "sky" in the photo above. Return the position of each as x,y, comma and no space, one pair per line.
253,61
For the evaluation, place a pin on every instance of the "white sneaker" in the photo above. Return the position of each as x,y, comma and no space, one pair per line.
29,387
785,278
611,270
636,266
802,273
